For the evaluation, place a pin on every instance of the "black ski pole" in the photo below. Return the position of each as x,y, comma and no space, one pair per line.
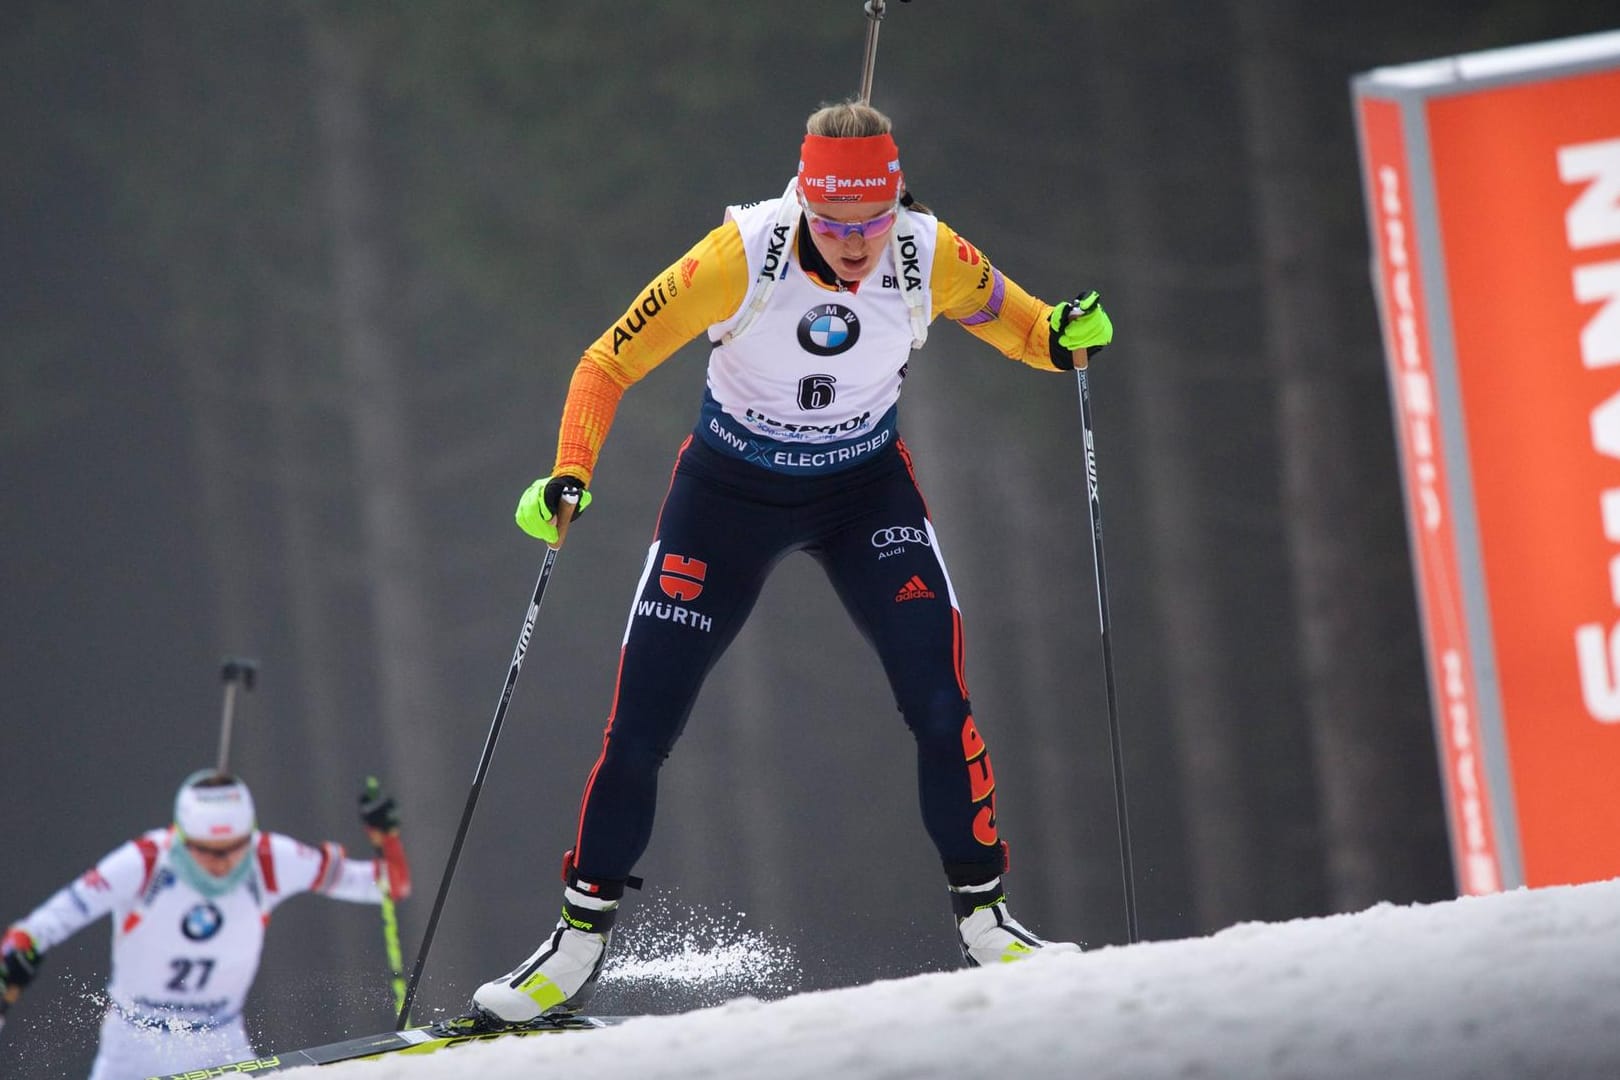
874,17
1094,506
236,671
565,513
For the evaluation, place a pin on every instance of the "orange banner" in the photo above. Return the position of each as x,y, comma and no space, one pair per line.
1407,348
1527,188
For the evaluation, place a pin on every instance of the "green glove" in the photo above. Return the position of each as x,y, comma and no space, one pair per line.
1079,324
537,509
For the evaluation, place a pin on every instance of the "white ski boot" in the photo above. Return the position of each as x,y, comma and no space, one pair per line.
560,975
989,934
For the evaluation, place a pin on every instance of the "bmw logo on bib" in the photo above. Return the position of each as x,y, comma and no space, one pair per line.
829,329
202,922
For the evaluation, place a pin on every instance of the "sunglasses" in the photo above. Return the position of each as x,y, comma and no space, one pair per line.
217,852
843,230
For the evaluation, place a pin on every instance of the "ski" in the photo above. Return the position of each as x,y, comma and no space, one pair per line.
421,1039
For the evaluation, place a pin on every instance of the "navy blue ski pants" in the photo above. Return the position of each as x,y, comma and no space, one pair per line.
724,525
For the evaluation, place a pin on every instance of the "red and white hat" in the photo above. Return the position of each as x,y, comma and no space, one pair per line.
863,169
213,806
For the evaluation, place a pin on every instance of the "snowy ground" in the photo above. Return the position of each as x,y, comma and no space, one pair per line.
1524,985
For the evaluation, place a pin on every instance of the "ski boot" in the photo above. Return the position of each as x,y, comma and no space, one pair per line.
988,932
558,978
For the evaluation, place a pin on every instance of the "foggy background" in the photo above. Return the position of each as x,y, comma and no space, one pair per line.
289,298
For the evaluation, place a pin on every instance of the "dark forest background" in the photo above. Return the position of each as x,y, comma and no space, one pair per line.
289,297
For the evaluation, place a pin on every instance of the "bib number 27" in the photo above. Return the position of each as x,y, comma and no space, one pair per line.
189,975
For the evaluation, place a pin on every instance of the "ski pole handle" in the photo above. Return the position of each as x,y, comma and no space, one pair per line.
874,21
566,508
235,671
239,669
874,18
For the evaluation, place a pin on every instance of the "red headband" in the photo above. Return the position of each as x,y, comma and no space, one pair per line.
865,169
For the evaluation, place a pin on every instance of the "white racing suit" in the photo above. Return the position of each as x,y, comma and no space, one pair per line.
183,962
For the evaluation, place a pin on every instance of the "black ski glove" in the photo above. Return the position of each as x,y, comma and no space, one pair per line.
19,963
378,811
557,487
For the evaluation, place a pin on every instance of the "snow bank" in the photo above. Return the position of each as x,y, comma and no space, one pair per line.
1523,985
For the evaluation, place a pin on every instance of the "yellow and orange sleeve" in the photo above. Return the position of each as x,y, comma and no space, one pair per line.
987,303
701,288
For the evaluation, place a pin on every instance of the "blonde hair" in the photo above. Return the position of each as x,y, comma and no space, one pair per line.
853,120
847,120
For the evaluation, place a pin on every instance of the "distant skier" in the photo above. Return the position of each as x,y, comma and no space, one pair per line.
813,303
190,904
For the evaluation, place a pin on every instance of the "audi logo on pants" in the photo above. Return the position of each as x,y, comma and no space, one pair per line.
898,534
